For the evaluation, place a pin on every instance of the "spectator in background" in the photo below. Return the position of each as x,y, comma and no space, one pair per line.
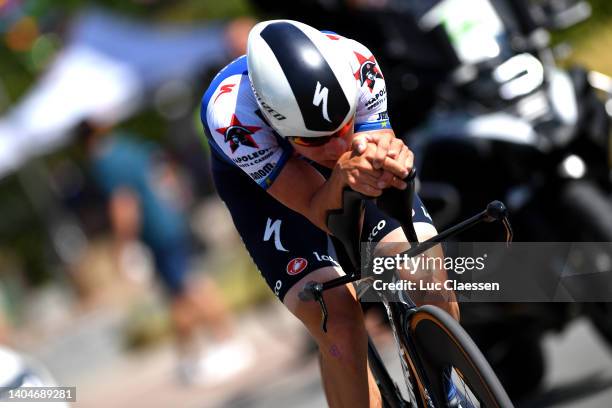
237,34
147,199
4,326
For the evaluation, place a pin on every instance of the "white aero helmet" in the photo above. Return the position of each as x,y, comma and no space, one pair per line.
303,81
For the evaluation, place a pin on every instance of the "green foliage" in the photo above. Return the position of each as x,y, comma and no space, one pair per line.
602,10
15,74
601,16
22,231
147,124
211,10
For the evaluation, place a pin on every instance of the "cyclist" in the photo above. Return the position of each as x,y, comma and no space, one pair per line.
290,124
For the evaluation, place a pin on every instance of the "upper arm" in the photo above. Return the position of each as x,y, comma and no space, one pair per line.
295,187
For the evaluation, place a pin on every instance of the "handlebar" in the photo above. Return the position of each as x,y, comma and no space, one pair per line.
398,204
344,224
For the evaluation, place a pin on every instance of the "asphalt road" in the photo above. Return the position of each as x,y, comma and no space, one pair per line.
579,372
579,375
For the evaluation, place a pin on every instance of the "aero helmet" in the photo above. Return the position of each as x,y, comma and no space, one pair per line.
302,80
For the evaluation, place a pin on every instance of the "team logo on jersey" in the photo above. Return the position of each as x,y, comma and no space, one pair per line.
368,71
296,265
224,89
237,134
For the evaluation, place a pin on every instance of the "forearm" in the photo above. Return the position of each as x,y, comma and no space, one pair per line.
327,197
301,188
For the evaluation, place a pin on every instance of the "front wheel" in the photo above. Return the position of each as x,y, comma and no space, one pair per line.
451,361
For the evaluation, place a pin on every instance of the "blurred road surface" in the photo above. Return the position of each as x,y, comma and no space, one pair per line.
579,375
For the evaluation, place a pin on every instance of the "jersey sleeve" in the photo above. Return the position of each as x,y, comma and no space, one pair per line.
371,112
237,132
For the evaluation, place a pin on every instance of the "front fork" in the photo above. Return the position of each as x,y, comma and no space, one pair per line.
402,308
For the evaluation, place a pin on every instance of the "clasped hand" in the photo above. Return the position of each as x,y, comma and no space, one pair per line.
376,161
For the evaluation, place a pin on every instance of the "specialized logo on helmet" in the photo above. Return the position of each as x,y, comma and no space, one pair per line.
320,95
368,71
296,265
238,134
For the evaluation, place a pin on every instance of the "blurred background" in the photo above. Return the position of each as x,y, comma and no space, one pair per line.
120,271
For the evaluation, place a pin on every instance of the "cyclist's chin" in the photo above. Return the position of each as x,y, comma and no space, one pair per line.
318,155
326,159
327,163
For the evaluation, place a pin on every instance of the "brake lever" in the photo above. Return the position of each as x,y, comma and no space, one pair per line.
497,211
314,291
324,314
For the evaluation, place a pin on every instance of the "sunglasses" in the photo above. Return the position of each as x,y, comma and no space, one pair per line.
321,140
310,141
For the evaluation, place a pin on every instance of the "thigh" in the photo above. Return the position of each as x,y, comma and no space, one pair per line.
377,225
341,302
284,245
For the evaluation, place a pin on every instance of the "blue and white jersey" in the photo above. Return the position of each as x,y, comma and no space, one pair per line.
239,135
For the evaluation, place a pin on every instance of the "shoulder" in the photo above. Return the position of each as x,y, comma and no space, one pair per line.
371,112
224,81
358,53
229,96
366,70
237,131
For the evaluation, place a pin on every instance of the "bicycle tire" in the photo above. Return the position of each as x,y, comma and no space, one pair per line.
440,342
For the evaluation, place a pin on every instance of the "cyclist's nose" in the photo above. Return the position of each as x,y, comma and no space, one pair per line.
335,147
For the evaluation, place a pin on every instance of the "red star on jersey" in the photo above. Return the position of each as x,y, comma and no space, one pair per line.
238,134
368,71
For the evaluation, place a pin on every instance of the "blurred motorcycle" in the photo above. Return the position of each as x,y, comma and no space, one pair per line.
510,119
